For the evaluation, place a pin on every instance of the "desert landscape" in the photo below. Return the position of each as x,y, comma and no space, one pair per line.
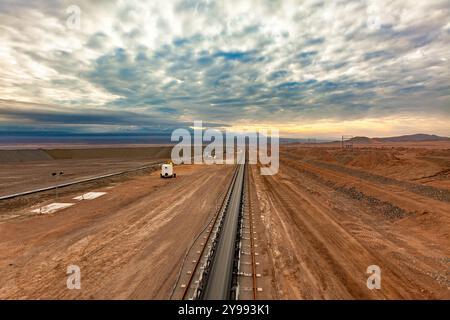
75,163
318,224
223,158
330,213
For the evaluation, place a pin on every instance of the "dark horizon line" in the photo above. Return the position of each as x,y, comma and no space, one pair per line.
143,137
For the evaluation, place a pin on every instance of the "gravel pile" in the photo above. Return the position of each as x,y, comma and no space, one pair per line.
385,208
389,210
427,191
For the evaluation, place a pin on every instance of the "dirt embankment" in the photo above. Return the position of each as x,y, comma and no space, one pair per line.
24,155
402,163
32,155
105,153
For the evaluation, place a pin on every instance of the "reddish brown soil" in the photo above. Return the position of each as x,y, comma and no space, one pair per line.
326,223
321,221
129,243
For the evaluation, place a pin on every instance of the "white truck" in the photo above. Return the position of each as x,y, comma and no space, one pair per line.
167,171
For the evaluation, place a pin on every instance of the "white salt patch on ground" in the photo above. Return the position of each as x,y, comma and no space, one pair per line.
90,196
53,207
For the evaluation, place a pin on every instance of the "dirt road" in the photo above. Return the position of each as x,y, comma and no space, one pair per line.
128,243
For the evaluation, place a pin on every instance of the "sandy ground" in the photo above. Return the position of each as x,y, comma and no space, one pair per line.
128,243
19,177
320,223
24,170
325,224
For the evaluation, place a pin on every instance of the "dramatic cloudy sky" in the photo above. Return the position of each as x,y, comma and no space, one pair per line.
311,68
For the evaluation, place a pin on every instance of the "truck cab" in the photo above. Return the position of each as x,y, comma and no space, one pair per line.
167,171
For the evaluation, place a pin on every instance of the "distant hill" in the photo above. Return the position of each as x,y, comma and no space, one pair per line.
361,140
413,138
407,138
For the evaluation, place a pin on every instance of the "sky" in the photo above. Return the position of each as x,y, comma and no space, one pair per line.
309,68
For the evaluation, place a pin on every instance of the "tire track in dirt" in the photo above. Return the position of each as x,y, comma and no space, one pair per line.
405,256
321,258
423,190
127,243
338,238
387,194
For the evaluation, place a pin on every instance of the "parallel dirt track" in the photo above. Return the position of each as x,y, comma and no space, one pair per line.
128,243
325,227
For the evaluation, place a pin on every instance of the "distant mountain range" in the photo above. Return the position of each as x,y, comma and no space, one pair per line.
407,138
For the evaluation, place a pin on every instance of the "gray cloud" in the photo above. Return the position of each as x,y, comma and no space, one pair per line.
135,64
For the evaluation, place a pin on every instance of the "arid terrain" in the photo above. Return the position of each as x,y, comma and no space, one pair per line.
128,243
328,215
22,170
